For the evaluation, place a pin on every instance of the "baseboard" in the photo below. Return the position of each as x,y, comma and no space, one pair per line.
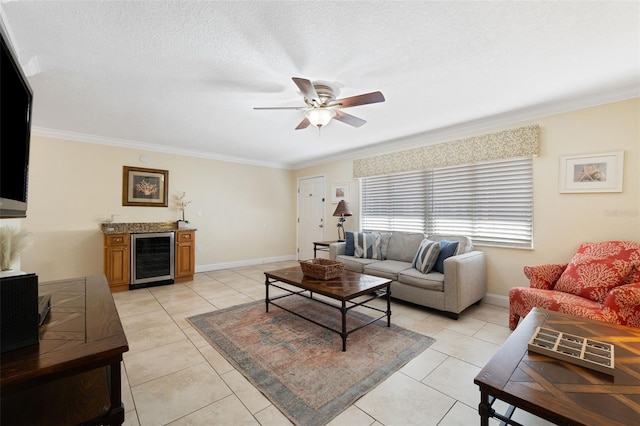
243,263
496,299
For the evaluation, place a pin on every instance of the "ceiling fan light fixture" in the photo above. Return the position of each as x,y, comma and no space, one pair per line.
320,116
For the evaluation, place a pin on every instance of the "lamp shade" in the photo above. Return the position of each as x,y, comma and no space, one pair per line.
320,116
343,209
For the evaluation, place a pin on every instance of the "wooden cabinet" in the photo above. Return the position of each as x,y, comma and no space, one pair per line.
117,261
185,255
117,258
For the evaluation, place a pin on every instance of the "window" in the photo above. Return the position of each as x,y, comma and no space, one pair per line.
490,202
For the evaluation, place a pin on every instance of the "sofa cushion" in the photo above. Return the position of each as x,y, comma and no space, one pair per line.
426,257
403,246
595,269
447,249
354,264
523,299
431,281
367,245
386,269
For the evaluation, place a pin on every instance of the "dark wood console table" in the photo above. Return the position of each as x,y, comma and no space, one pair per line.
73,375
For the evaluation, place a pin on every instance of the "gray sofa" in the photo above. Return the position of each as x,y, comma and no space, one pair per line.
462,284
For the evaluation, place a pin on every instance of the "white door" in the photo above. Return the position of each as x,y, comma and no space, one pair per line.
310,215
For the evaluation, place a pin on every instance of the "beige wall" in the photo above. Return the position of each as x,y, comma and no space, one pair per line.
248,212
243,213
561,221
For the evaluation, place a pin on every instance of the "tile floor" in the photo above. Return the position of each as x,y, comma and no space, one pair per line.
172,376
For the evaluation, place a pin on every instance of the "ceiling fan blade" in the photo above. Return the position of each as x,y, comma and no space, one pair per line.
307,89
349,119
280,108
303,124
367,98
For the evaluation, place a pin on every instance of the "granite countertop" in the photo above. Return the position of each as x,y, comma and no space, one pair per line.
141,227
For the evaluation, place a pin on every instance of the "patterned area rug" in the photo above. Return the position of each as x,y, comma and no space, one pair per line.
299,365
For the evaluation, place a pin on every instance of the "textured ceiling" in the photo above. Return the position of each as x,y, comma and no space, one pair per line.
184,77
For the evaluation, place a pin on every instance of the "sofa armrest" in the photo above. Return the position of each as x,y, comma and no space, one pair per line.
544,277
624,302
336,249
465,280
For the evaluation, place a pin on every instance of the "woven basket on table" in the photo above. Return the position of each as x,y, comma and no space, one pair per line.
322,269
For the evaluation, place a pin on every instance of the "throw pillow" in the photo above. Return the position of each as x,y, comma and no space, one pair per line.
447,249
349,248
367,245
426,256
595,269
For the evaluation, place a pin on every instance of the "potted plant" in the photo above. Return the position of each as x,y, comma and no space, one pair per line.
182,205
12,243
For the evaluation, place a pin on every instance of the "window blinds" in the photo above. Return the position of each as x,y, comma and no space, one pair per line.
490,202
395,202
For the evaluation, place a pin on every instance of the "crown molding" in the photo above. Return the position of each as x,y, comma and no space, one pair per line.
124,143
456,131
469,128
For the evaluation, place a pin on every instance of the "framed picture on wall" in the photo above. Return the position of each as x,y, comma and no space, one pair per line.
592,172
339,192
144,187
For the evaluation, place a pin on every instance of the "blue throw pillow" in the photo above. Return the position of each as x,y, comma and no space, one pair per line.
350,248
426,256
447,249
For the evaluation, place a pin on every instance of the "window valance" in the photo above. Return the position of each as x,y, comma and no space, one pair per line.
520,142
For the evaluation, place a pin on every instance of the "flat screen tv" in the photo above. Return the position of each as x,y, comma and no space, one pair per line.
16,101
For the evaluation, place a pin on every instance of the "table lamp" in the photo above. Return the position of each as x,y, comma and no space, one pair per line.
341,211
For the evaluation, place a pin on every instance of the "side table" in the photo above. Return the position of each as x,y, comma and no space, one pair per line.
322,246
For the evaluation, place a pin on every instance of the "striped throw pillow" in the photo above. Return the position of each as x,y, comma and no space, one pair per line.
367,245
426,256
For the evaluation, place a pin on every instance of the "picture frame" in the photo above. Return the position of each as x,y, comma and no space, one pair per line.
144,187
339,192
592,172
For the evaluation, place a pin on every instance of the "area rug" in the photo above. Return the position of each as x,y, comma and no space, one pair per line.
299,366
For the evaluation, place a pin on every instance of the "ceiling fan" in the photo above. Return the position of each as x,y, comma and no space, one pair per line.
322,105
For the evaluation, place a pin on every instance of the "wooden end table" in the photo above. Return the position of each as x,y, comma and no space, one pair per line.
344,289
322,246
558,391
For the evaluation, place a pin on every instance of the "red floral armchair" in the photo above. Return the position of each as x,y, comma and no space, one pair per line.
601,282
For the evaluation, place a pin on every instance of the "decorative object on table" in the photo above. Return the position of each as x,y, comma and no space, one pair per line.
108,223
322,105
341,211
592,172
12,243
339,192
574,349
322,269
144,187
299,367
182,205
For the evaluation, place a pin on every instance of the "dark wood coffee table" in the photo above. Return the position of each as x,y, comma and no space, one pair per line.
558,391
349,286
